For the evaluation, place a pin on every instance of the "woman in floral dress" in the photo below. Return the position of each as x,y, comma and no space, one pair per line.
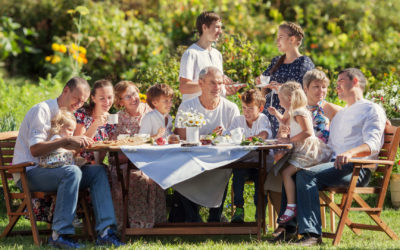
146,200
92,119
315,84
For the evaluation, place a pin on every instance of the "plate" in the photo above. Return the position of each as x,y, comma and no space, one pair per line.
262,85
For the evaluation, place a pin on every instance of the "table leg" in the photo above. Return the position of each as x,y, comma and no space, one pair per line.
260,193
124,192
263,178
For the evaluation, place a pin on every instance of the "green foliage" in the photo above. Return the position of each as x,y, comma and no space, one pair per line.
14,38
386,93
18,98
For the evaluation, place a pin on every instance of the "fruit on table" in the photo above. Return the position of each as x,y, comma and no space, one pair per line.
161,141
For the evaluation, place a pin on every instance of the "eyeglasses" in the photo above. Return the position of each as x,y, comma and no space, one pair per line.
128,97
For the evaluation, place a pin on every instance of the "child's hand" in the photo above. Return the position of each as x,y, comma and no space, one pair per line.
272,110
160,133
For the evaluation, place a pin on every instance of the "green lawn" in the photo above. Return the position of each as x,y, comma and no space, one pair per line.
367,240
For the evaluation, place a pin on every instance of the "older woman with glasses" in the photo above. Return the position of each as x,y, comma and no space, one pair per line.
146,200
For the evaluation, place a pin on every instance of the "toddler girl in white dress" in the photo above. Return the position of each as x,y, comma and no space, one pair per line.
308,149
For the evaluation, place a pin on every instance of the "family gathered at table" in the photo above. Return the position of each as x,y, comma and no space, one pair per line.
288,104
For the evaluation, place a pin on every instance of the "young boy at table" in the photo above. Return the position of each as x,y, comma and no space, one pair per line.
254,124
158,122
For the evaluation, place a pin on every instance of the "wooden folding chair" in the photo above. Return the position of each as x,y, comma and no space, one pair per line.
384,165
24,207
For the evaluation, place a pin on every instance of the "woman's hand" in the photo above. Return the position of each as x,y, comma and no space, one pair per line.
274,85
258,80
100,120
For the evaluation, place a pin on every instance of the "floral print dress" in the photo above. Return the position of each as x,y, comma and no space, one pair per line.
286,72
320,122
103,132
146,199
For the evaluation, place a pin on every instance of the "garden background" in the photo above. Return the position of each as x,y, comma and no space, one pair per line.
45,42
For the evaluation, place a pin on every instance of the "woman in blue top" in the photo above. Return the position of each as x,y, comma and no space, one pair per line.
291,66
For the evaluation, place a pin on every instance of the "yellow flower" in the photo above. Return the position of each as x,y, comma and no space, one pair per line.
142,97
62,48
55,46
73,48
71,12
55,59
48,58
82,50
82,10
85,61
157,50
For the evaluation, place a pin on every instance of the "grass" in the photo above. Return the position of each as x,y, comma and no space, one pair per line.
367,240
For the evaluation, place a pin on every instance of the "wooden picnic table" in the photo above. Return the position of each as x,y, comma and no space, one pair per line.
198,228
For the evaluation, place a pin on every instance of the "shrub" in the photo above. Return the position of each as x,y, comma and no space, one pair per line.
18,97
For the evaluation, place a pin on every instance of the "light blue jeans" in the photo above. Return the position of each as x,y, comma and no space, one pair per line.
308,184
66,181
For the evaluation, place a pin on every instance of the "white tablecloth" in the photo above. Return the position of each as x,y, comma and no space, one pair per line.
187,169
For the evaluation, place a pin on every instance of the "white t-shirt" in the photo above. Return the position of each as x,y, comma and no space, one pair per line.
34,129
222,115
153,121
261,124
193,60
361,123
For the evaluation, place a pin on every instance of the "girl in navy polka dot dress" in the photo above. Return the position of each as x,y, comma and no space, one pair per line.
291,66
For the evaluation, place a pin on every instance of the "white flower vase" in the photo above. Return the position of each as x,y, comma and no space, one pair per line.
192,134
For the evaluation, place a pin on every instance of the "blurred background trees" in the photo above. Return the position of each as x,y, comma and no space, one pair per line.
42,43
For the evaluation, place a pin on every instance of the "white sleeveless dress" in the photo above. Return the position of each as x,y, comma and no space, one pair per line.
311,151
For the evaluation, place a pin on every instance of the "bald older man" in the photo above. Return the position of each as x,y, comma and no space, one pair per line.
219,114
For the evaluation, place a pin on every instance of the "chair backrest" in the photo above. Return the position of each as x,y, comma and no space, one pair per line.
390,145
388,152
7,144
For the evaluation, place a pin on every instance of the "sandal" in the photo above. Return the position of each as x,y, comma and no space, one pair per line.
278,231
285,218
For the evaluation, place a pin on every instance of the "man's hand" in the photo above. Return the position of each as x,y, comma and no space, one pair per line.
218,130
342,159
78,142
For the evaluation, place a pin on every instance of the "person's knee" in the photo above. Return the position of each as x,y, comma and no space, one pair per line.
72,172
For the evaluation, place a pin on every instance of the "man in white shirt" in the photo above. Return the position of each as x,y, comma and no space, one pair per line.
200,55
218,113
355,132
32,142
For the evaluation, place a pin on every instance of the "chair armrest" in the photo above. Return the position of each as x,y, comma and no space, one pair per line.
370,163
18,167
